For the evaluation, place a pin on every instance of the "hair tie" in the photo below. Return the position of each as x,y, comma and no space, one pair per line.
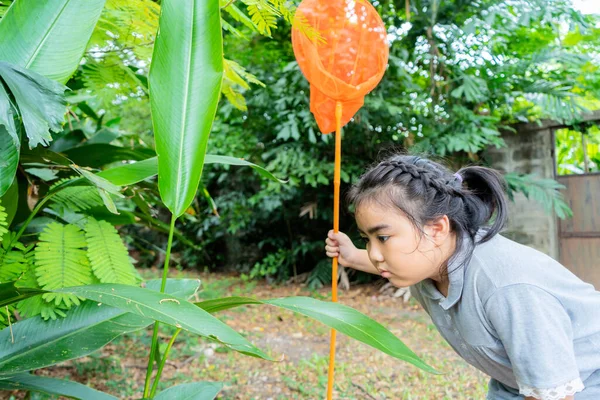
458,177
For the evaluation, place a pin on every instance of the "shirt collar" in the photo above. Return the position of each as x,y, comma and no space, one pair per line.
456,277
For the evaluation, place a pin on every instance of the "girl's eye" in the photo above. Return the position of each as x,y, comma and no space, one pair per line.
365,239
383,239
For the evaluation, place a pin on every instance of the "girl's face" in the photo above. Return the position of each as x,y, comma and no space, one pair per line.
397,249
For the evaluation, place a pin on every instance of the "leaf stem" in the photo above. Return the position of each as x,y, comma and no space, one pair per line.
37,208
163,362
156,324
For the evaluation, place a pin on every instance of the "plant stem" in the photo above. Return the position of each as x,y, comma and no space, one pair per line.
156,324
37,208
163,362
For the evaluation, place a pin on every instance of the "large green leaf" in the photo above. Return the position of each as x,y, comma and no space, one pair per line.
10,142
101,154
10,201
342,318
167,309
10,294
9,160
130,174
85,329
185,82
39,101
53,386
48,37
191,391
226,160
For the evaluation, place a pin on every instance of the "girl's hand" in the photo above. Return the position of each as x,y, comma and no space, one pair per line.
339,245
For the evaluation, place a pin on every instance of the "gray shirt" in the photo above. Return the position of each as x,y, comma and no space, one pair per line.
522,318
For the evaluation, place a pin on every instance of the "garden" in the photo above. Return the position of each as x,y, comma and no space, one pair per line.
166,188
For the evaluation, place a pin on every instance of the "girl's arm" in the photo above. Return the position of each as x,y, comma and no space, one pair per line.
339,245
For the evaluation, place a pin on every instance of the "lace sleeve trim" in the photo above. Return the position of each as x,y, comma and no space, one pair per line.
556,393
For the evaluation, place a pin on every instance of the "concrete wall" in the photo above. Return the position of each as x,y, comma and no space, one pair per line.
529,151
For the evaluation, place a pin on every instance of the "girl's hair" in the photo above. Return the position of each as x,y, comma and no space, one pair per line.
425,190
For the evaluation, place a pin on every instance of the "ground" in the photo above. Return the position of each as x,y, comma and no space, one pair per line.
300,343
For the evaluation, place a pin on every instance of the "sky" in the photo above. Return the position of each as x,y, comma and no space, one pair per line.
587,6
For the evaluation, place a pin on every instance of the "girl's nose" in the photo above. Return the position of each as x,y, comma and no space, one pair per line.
375,255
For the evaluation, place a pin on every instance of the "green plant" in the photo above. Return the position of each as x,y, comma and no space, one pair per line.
186,69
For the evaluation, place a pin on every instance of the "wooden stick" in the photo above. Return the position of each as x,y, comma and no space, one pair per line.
336,228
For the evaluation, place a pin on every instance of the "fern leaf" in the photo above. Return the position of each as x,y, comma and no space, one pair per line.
239,16
36,305
285,8
107,254
78,198
235,98
61,261
3,223
130,24
301,23
13,264
237,74
263,15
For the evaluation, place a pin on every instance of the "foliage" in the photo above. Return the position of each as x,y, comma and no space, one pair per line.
570,146
70,261
544,191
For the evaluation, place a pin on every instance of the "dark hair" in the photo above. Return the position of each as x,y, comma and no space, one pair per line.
472,198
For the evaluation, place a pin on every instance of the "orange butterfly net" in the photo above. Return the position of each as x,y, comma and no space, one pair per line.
341,47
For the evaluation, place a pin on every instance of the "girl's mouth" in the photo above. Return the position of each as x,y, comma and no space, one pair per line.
386,274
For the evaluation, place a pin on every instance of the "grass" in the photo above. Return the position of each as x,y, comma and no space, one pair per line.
300,343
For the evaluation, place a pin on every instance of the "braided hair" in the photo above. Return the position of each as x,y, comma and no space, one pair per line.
472,198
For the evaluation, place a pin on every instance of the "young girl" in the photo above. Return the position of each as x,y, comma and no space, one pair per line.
508,310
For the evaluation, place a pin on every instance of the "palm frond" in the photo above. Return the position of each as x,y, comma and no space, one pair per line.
108,256
61,261
545,191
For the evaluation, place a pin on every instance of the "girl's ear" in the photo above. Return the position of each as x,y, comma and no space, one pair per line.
438,230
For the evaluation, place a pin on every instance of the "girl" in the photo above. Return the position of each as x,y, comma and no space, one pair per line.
508,310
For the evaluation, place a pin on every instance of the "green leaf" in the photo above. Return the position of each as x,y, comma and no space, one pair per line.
3,223
101,154
337,316
53,386
61,261
84,330
7,115
39,100
48,37
130,174
10,294
45,174
191,391
107,254
10,201
167,309
9,160
98,181
214,159
10,142
185,82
